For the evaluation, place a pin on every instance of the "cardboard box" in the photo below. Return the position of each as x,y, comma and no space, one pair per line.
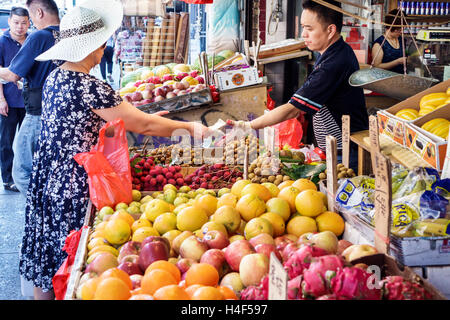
428,146
237,78
394,127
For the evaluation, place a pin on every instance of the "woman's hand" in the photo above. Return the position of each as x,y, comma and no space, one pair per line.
198,130
161,113
401,60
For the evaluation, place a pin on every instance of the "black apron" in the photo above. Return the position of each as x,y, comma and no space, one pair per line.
32,98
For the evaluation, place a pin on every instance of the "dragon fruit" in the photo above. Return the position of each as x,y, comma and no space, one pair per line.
331,297
317,277
398,288
260,292
294,288
301,259
288,251
351,283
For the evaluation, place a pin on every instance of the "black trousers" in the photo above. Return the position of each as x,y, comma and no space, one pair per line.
107,61
8,127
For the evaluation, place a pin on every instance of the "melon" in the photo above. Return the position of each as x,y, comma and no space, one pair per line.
160,71
181,68
226,54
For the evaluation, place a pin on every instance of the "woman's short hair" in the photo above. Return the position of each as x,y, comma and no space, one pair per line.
390,19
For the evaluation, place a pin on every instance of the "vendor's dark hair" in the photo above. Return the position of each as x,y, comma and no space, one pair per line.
48,6
390,19
326,15
19,11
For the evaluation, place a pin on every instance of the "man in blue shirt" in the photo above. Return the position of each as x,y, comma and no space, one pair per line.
45,16
326,94
11,102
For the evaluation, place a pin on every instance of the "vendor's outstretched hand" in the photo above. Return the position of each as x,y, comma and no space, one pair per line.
199,131
161,113
243,125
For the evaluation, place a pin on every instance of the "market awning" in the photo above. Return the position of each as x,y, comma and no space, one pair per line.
198,1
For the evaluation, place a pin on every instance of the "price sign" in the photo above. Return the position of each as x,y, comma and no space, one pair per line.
383,202
374,141
346,140
278,279
331,153
446,169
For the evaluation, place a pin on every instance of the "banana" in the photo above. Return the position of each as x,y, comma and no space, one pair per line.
439,229
426,109
433,99
407,114
430,124
448,91
443,132
439,126
104,248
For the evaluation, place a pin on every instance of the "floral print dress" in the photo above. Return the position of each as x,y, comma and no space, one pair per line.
58,192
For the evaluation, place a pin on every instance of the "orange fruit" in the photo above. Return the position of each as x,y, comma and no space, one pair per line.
171,292
213,225
88,288
299,225
207,202
285,184
191,289
250,206
117,231
202,273
309,203
117,273
257,226
227,216
99,241
143,232
289,194
155,279
123,214
330,221
304,184
167,266
191,219
141,296
276,221
280,207
227,293
238,186
274,190
140,223
228,199
112,288
258,190
207,293
165,222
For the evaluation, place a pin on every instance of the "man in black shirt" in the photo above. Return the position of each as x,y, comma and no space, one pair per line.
326,94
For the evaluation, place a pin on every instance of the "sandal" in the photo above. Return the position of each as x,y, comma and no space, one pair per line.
11,187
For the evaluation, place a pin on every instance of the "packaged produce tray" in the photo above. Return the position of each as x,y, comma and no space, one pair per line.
189,101
413,251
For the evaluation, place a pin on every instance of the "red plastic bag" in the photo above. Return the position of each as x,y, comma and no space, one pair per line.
61,277
108,167
270,101
290,133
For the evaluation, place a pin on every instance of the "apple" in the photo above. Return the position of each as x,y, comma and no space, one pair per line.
127,98
152,252
252,268
170,95
147,94
134,258
166,89
357,251
102,262
261,238
200,79
184,264
193,73
129,248
130,268
150,86
326,240
146,101
182,92
216,258
236,251
156,238
186,84
305,238
267,248
281,242
176,243
233,281
160,92
193,247
136,96
136,280
288,250
293,237
216,239
178,85
342,245
159,98
175,91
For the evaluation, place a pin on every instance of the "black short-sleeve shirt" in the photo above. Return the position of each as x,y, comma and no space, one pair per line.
327,95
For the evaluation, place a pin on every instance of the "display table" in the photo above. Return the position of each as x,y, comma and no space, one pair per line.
394,151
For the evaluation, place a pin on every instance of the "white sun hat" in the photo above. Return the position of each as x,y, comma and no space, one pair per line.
84,29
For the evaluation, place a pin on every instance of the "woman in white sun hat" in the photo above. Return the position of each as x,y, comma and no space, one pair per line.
75,106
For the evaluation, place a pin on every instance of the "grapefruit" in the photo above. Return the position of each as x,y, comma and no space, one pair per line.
274,190
330,221
258,190
250,206
289,194
238,186
257,226
300,225
227,216
280,207
117,231
304,184
165,222
140,234
276,221
191,219
309,203
154,208
285,184
228,199
207,202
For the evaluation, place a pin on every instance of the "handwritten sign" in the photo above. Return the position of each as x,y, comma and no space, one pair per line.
331,153
446,169
383,202
346,140
278,279
373,136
